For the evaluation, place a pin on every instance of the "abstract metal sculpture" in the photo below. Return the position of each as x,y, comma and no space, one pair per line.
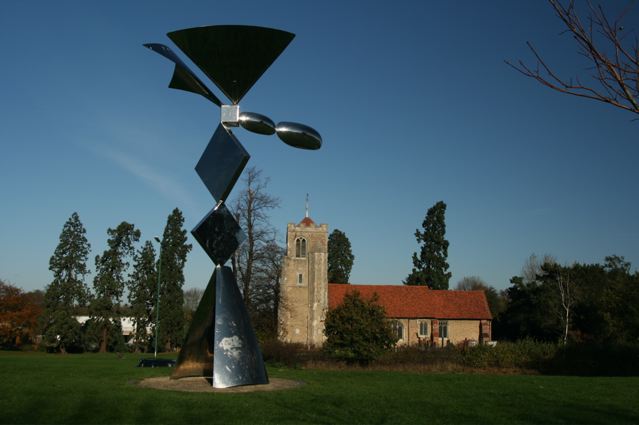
221,342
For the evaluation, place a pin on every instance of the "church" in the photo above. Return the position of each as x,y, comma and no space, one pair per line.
420,315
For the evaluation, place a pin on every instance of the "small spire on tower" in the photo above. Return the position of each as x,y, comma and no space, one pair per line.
306,214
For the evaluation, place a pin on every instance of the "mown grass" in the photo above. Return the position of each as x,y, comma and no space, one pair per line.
94,388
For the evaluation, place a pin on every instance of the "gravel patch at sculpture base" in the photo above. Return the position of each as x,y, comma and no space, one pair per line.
203,385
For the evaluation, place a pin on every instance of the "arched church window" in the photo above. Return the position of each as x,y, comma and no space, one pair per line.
300,247
423,328
399,329
443,329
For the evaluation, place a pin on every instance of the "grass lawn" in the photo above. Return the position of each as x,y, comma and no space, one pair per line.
94,388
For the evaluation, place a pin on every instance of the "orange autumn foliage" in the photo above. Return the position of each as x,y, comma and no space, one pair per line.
19,312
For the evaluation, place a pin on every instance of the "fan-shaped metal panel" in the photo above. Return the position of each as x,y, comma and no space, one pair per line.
233,56
183,77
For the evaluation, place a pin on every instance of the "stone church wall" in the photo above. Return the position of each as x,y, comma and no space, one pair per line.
304,285
458,331
304,303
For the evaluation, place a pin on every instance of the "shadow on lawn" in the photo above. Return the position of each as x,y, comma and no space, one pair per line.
578,413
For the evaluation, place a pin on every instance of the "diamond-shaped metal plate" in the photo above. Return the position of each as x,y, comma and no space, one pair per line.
222,163
219,234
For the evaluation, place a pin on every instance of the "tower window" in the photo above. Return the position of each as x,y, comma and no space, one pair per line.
300,278
300,248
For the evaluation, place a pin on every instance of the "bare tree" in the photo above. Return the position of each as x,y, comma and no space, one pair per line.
564,284
552,273
611,49
496,300
532,268
252,207
265,295
192,299
471,283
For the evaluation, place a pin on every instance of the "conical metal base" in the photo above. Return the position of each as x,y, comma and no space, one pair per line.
196,356
221,342
237,358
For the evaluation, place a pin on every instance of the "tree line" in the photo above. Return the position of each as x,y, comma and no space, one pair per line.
126,283
120,269
68,295
547,302
572,303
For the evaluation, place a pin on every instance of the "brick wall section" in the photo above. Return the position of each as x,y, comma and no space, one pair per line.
461,330
486,331
458,331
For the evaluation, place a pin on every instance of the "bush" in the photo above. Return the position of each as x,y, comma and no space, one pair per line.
432,357
278,354
357,330
523,356
595,360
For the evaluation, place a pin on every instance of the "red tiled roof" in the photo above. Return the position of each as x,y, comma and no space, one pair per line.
306,221
403,301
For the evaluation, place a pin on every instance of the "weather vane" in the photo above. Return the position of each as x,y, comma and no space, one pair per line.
221,342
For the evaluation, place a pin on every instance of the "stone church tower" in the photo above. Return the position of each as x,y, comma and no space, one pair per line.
304,284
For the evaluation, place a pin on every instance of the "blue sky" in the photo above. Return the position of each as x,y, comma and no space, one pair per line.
413,101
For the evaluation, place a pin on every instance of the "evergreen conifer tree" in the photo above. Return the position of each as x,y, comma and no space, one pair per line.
172,260
430,267
340,257
142,294
68,290
109,283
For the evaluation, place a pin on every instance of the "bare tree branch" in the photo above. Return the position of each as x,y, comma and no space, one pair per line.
604,44
251,211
